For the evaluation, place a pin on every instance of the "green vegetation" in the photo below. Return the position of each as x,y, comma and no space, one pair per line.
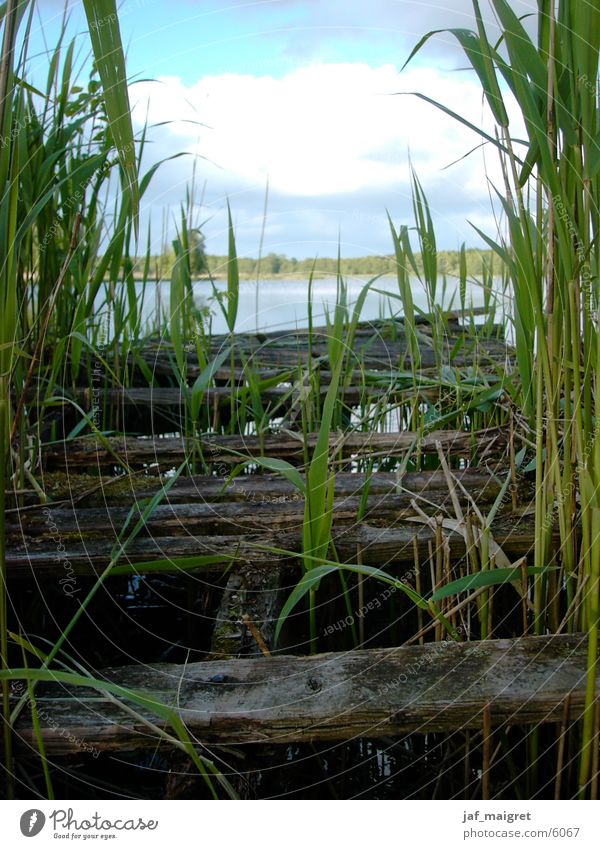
61,148
551,205
278,265
72,349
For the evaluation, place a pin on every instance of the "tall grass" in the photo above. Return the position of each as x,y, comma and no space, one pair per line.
549,244
60,149
70,165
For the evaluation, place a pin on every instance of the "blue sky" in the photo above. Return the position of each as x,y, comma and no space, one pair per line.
300,93
191,39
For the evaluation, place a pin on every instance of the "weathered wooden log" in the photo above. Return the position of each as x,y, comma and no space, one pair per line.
377,345
156,397
371,354
251,503
165,453
253,592
481,484
86,491
380,547
439,687
452,318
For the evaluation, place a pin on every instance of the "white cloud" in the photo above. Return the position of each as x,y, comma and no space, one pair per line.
326,130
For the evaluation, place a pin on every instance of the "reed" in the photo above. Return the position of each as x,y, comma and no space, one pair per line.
550,250
70,311
60,151
29,181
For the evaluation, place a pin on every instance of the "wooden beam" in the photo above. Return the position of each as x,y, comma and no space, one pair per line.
377,345
440,687
86,491
251,503
370,354
155,397
90,452
380,547
254,592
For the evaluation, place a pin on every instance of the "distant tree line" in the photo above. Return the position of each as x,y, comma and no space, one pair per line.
279,265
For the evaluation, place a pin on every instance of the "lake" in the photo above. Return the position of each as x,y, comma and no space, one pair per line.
283,303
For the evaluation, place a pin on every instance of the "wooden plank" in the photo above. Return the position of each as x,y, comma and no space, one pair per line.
480,483
156,397
369,353
377,345
215,448
450,317
86,490
248,517
381,547
439,687
254,502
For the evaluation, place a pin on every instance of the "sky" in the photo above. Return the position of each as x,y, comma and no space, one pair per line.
311,98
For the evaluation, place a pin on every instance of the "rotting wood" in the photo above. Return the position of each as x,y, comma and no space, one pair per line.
451,318
168,452
373,356
158,398
380,547
252,503
251,590
87,491
375,347
438,687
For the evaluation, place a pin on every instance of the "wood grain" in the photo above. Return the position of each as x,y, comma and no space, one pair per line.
439,687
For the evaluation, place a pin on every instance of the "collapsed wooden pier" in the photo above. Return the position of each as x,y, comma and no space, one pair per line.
422,526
